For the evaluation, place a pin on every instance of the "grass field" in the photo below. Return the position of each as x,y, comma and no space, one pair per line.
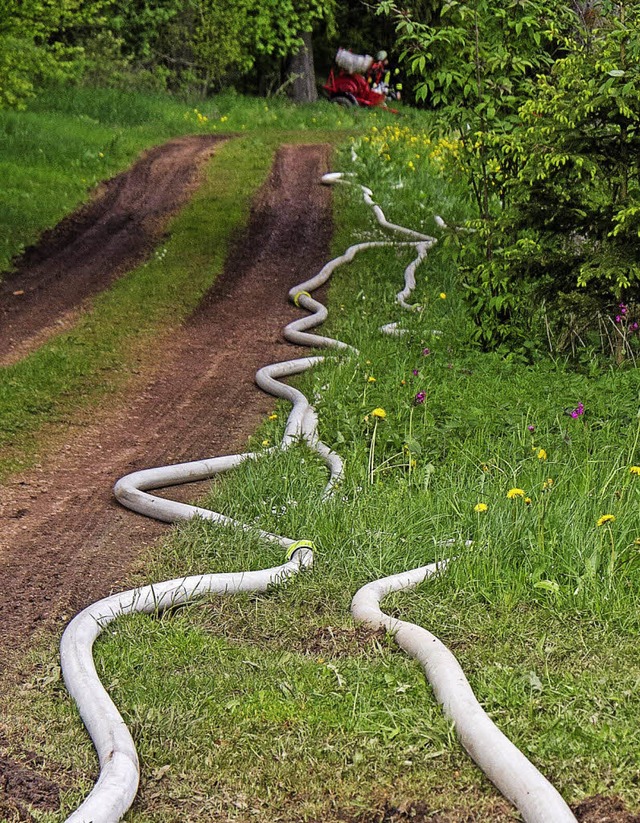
276,707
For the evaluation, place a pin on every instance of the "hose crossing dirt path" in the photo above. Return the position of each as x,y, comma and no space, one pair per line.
64,541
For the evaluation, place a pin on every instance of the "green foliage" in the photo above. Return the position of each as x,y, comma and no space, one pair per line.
477,63
193,45
32,45
543,105
569,232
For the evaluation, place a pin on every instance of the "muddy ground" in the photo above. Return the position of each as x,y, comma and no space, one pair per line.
111,234
64,542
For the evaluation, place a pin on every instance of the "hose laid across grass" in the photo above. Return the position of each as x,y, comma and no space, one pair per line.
117,784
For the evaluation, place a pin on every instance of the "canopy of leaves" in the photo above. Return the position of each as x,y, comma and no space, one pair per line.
180,43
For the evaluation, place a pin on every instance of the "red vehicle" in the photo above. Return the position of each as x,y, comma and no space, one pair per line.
351,90
347,84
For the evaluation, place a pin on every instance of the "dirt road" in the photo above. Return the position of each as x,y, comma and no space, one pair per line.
88,250
64,541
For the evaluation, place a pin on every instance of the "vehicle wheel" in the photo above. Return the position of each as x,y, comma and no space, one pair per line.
344,100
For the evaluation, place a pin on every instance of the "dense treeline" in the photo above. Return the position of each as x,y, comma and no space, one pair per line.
186,45
192,46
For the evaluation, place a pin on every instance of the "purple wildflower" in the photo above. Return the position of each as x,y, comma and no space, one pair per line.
578,411
531,428
416,372
618,318
419,398
426,352
634,327
623,308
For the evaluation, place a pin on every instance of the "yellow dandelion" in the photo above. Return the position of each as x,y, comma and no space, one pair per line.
547,484
634,470
606,518
527,500
542,455
480,507
443,295
379,413
273,416
265,442
513,493
371,379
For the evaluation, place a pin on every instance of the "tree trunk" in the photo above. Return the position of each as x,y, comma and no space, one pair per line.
302,72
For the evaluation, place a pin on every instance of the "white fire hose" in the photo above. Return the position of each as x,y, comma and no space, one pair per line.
117,784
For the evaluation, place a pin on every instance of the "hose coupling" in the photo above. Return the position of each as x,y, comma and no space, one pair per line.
298,295
300,544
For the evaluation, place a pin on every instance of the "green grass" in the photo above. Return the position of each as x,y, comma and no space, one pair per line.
274,707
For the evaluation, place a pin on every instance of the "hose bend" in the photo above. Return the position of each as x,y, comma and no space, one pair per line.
503,763
117,784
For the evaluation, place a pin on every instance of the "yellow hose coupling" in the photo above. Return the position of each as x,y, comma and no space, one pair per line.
298,295
300,544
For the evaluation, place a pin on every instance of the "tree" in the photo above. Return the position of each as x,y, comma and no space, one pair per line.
202,44
30,46
302,72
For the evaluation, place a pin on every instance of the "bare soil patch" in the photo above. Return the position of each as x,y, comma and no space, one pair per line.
108,236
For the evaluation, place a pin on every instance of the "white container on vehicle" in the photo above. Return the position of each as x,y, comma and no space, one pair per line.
353,63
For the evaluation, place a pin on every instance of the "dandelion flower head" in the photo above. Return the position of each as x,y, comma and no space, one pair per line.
513,493
379,413
606,518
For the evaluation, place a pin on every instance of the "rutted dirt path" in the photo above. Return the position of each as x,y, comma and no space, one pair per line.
108,236
64,541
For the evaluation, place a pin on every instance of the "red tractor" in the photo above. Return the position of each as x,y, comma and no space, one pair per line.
348,86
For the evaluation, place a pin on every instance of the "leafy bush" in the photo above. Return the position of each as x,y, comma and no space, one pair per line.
543,106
